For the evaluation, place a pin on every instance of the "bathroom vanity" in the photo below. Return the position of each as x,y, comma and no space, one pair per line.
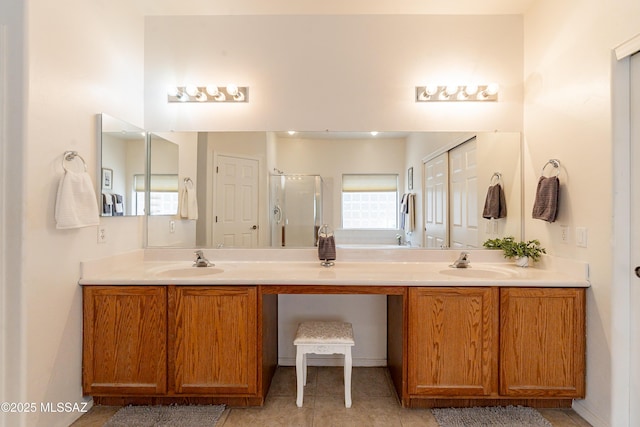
161,332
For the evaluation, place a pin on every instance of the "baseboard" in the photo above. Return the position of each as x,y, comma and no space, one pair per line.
584,411
332,361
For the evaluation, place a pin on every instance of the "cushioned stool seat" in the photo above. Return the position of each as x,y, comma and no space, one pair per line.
323,338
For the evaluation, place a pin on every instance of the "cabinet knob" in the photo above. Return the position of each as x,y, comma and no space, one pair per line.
637,270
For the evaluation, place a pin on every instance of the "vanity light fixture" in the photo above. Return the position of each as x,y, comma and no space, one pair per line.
209,93
470,92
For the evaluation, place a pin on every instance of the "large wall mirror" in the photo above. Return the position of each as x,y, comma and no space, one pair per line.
274,189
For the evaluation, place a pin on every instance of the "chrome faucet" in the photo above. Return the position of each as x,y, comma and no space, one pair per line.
399,239
201,261
462,261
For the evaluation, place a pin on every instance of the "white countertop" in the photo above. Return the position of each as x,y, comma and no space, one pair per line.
149,268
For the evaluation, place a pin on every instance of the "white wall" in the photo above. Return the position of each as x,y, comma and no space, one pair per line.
568,116
355,72
81,58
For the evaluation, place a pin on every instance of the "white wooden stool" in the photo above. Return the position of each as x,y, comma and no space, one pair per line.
323,338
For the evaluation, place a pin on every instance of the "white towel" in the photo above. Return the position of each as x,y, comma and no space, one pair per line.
188,202
76,202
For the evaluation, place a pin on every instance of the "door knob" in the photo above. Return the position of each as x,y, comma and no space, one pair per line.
637,270
255,227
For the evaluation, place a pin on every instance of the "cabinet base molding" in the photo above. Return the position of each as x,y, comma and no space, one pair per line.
177,400
467,403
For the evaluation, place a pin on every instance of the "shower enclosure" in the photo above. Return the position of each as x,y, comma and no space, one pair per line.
296,209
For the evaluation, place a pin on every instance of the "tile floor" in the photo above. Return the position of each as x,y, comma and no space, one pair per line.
374,404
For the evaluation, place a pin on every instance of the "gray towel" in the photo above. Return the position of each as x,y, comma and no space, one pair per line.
545,206
495,205
326,248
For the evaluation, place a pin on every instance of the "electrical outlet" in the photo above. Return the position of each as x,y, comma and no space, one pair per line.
581,237
102,234
172,226
564,233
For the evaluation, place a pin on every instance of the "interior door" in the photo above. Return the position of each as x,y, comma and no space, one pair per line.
236,202
463,195
635,239
436,201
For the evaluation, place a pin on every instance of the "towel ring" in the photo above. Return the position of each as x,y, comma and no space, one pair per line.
497,175
70,156
553,162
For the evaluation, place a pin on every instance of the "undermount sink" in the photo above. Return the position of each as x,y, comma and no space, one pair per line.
476,273
189,272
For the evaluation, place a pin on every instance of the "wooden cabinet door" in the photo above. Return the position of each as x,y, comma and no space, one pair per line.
453,341
213,339
124,342
542,342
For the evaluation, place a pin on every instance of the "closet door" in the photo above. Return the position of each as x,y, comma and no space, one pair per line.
463,196
436,201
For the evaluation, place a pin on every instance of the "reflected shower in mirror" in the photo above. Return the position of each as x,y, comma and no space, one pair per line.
233,174
122,148
296,209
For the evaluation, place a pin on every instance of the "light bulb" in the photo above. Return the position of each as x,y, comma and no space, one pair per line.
471,90
192,90
239,96
431,90
172,91
201,96
182,96
232,89
212,90
451,90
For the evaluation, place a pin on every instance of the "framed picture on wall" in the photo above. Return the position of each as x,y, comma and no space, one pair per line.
410,178
107,179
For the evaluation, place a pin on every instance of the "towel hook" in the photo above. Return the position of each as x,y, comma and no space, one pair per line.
70,156
495,175
325,231
553,162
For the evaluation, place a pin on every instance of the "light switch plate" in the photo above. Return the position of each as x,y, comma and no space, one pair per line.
581,237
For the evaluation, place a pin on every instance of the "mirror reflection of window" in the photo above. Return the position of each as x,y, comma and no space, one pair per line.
370,201
163,194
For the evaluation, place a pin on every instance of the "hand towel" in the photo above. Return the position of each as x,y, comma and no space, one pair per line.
107,204
403,210
76,202
188,202
326,247
118,205
545,206
495,205
410,220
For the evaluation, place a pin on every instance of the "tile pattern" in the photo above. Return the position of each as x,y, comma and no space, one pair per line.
374,404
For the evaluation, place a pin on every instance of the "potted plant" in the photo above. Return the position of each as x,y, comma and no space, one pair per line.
521,251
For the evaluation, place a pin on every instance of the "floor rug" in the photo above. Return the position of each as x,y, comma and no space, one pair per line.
508,416
166,416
